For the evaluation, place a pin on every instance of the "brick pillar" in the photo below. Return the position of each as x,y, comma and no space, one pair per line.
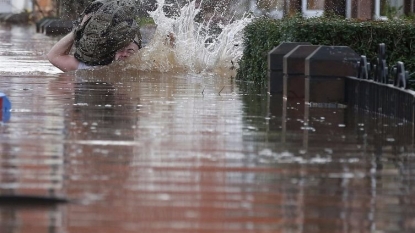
44,6
362,9
293,7
337,7
409,6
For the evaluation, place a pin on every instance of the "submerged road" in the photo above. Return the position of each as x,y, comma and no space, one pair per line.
180,152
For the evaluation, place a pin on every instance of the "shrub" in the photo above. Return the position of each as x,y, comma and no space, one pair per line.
263,34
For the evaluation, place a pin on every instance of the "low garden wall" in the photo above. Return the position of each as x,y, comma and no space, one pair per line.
364,37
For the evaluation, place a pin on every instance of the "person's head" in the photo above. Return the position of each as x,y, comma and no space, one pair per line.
110,28
126,52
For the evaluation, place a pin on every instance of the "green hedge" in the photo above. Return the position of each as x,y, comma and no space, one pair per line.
263,34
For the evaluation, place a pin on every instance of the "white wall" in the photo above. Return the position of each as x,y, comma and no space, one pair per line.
5,6
15,6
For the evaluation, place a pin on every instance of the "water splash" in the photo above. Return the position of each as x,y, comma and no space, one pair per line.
180,44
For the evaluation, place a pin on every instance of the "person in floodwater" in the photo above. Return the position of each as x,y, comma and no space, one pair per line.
107,32
59,54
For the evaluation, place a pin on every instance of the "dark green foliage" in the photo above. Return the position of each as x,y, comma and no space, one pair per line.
264,34
260,37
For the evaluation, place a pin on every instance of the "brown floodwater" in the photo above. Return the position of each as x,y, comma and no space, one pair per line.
180,152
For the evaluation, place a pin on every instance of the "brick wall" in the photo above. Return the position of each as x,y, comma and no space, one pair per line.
362,9
46,5
409,6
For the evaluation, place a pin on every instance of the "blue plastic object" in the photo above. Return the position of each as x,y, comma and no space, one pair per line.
5,107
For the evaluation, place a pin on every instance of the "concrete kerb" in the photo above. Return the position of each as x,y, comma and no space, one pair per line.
53,26
4,16
40,22
58,27
15,18
44,24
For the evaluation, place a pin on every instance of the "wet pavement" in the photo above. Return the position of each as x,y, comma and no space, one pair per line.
176,152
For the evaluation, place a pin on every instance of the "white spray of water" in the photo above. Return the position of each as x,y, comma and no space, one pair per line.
191,52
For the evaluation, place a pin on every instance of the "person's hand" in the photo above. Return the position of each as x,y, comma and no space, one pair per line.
84,19
78,29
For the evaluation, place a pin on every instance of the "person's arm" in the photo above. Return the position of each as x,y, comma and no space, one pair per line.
59,54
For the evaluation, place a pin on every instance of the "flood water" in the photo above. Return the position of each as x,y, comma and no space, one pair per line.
182,152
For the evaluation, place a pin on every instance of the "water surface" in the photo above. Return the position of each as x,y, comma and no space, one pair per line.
143,151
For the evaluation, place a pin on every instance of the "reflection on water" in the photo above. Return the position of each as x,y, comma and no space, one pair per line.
22,46
171,152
